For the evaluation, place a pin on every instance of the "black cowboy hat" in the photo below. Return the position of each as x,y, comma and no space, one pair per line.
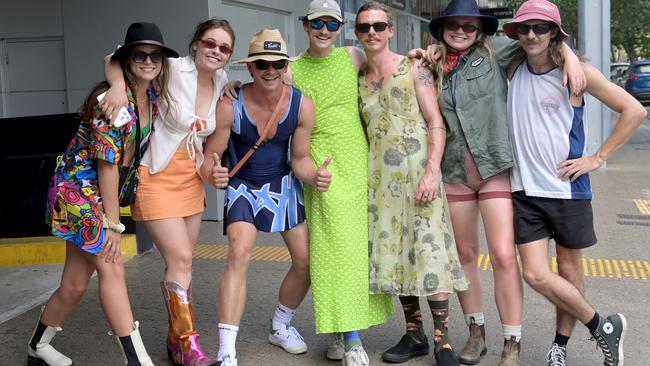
142,33
463,8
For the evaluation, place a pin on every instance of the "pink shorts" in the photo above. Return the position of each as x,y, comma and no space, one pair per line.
497,186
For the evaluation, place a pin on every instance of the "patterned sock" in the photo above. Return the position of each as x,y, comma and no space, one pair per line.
512,331
227,339
413,316
440,312
561,339
282,316
351,339
476,318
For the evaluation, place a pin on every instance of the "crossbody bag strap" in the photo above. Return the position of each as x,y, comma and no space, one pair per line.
260,141
138,138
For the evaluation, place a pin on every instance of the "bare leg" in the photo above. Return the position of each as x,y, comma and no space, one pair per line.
176,239
464,219
113,294
562,293
232,292
568,261
296,283
74,282
497,217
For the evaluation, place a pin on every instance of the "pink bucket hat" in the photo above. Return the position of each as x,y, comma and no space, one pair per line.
535,10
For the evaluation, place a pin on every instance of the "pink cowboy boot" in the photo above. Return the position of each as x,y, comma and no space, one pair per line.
183,347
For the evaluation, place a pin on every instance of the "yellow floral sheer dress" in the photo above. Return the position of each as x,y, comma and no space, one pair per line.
412,250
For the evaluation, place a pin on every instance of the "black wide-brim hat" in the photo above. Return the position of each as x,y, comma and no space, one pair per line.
463,8
142,33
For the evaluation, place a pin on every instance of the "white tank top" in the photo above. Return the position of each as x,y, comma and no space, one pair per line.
545,130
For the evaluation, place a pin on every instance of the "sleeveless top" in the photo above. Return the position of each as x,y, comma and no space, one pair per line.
545,130
272,157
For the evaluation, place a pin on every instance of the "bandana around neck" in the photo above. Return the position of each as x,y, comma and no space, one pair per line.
454,58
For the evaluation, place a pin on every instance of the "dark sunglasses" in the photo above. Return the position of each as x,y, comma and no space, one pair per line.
263,64
365,27
331,25
467,27
225,49
140,56
539,29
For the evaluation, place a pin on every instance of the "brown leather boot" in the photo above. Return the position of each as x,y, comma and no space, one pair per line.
510,354
475,347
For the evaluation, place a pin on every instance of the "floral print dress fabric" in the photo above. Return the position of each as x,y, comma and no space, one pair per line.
411,247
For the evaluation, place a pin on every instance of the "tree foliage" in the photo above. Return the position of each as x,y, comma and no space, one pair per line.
630,23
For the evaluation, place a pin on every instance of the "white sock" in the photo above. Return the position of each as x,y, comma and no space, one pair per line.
282,316
478,319
512,331
227,339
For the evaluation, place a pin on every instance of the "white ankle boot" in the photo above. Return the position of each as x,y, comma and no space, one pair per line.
133,351
39,350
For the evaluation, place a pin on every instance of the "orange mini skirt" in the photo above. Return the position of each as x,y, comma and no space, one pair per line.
177,191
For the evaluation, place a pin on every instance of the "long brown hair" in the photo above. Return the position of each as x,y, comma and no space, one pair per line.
160,84
203,27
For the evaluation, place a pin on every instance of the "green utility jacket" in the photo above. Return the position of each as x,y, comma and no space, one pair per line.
473,102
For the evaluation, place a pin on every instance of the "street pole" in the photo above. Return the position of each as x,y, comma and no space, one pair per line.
594,42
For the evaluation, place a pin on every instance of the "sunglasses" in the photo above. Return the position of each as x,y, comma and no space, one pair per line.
263,64
365,27
331,25
225,49
140,56
539,29
467,27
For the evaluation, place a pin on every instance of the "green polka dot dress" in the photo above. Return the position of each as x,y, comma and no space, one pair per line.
338,218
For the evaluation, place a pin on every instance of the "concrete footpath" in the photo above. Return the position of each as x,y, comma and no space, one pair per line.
617,280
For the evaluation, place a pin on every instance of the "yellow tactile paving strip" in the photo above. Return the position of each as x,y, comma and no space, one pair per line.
592,267
47,250
643,206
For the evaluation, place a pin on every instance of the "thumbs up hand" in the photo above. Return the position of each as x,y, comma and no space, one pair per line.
219,173
323,176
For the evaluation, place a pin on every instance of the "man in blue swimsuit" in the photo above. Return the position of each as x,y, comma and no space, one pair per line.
266,193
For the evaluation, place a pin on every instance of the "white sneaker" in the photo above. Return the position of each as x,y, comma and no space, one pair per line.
288,338
335,350
226,360
356,356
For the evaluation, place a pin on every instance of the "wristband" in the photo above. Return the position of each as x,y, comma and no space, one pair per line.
118,228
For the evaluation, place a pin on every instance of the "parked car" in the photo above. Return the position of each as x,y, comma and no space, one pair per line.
638,80
618,72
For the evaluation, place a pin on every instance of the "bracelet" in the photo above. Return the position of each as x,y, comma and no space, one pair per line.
118,228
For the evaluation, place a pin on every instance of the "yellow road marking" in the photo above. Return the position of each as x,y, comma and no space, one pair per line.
635,269
643,206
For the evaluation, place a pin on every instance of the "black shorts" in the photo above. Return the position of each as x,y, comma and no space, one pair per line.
569,222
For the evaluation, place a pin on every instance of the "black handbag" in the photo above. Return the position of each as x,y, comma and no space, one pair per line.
129,174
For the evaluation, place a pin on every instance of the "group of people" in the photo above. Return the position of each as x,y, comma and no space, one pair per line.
373,166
